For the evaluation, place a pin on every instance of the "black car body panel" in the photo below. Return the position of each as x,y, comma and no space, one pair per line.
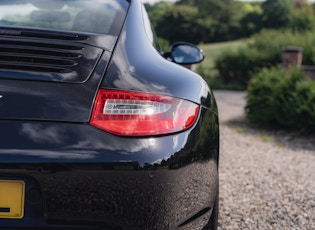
48,60
87,176
51,101
144,69
79,177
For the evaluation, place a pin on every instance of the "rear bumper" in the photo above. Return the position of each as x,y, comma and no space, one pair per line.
91,179
128,199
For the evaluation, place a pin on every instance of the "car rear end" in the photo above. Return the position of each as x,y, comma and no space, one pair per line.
73,154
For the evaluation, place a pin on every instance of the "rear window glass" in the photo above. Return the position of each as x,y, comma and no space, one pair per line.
92,16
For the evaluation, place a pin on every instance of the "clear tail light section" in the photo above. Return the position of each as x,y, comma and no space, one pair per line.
127,113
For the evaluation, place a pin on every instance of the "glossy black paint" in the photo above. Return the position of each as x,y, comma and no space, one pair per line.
142,68
50,101
38,95
88,176
78,176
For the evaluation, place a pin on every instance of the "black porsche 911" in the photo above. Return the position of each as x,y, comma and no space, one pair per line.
99,129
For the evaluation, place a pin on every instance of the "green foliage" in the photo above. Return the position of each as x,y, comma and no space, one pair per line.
177,22
302,19
164,44
217,10
251,23
208,21
204,21
264,52
271,42
260,107
237,67
207,68
276,13
279,98
220,18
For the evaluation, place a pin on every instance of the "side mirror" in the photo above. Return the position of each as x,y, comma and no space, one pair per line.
185,53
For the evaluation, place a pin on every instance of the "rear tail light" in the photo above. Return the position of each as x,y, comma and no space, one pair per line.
127,113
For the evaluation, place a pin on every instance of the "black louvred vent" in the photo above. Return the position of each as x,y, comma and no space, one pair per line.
47,60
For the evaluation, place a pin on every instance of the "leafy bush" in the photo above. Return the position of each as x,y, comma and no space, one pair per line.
271,43
277,12
164,44
285,99
264,51
302,18
238,67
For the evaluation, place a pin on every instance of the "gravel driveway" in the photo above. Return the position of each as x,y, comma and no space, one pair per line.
267,179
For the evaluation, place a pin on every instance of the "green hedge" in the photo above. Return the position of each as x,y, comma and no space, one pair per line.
264,51
271,43
238,67
285,99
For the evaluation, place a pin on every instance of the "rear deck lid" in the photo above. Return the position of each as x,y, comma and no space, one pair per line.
53,55
45,59
50,76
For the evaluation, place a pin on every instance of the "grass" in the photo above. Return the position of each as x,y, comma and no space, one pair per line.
212,51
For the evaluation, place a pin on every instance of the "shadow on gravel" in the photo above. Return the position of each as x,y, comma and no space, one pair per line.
288,139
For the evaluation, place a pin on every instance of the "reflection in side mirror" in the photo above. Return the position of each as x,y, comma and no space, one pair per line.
186,53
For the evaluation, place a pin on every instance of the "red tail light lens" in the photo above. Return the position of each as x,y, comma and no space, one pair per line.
127,113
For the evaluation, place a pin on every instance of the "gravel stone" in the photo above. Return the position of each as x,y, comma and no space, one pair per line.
267,180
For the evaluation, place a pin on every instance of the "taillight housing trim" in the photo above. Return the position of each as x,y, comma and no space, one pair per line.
129,113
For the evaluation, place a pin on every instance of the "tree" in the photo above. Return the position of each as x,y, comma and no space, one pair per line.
220,18
177,23
251,21
303,18
277,13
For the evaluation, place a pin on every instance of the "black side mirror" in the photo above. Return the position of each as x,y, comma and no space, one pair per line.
185,53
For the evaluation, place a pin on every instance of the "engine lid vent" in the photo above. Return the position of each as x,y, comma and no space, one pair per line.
47,60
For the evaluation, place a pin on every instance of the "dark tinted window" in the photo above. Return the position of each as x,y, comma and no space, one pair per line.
93,16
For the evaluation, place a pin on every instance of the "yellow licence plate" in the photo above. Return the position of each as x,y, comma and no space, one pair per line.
12,194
